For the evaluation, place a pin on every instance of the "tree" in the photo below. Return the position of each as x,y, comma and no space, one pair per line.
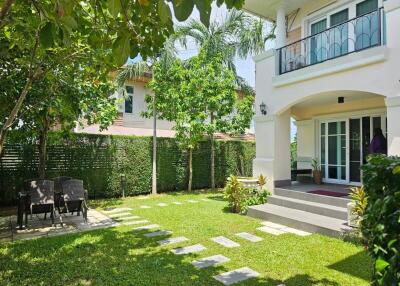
65,29
237,35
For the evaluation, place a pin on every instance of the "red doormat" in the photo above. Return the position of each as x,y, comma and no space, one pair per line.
327,193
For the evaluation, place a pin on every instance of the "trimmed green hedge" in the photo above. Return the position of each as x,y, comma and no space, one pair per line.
380,224
100,160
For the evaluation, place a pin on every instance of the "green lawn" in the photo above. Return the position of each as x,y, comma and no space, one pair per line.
118,256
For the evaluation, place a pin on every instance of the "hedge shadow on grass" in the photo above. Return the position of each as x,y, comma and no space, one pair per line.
345,266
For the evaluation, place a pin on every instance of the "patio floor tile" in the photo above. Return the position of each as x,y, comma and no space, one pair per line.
224,241
188,249
235,276
172,240
210,261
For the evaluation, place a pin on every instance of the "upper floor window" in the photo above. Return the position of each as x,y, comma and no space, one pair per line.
128,99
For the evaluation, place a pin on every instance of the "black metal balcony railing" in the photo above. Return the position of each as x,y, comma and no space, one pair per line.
354,35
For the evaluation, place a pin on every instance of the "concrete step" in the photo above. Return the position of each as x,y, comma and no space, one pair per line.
333,201
299,219
312,207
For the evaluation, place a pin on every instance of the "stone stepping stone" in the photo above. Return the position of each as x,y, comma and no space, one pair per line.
119,215
157,233
133,222
192,201
235,276
117,210
296,231
188,249
127,218
210,261
285,228
162,205
206,200
271,230
145,207
172,240
224,241
272,224
146,227
249,237
177,203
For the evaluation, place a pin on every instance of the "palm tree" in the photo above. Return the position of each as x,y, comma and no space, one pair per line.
237,35
140,69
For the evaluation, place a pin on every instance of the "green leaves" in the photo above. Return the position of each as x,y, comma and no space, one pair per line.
114,6
121,49
183,9
164,12
381,264
46,35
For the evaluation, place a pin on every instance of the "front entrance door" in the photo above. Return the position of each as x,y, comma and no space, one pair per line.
344,147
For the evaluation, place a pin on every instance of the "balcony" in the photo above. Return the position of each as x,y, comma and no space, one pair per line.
354,35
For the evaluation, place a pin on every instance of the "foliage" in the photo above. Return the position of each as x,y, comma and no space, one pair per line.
315,165
241,197
105,260
99,160
236,194
360,200
380,225
293,153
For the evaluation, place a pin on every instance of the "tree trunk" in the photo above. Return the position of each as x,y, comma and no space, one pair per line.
212,155
13,115
190,170
4,10
43,149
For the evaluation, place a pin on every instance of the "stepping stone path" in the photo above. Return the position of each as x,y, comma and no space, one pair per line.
145,207
117,210
271,230
235,276
133,222
249,237
146,227
119,215
127,217
177,203
188,249
284,228
158,233
162,205
192,201
224,241
172,240
210,261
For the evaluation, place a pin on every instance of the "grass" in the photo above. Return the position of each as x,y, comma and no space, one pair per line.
118,256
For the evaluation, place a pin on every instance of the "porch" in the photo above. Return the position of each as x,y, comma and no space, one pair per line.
334,190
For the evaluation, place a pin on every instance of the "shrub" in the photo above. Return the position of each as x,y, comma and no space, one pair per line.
380,225
99,160
240,198
360,200
236,194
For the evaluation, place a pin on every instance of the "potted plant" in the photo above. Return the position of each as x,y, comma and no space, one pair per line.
316,172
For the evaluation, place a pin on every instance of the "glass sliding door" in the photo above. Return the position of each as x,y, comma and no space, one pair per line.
319,42
355,149
333,150
367,28
338,36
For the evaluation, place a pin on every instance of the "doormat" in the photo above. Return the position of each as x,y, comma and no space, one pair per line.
327,193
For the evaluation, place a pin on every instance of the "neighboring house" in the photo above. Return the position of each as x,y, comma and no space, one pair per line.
131,122
336,72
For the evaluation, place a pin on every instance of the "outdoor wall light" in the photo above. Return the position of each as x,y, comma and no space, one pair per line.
340,99
263,108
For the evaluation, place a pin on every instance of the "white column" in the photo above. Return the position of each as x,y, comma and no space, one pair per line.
273,149
393,126
280,40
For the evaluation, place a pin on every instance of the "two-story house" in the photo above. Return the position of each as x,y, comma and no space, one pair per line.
335,70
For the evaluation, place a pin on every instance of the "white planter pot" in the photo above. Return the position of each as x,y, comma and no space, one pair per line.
351,217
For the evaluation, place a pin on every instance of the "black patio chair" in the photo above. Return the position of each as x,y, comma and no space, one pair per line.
39,199
58,190
73,198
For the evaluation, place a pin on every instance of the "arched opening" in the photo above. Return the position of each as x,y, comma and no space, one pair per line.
335,129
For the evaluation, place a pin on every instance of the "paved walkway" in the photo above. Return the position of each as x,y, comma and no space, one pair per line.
38,227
